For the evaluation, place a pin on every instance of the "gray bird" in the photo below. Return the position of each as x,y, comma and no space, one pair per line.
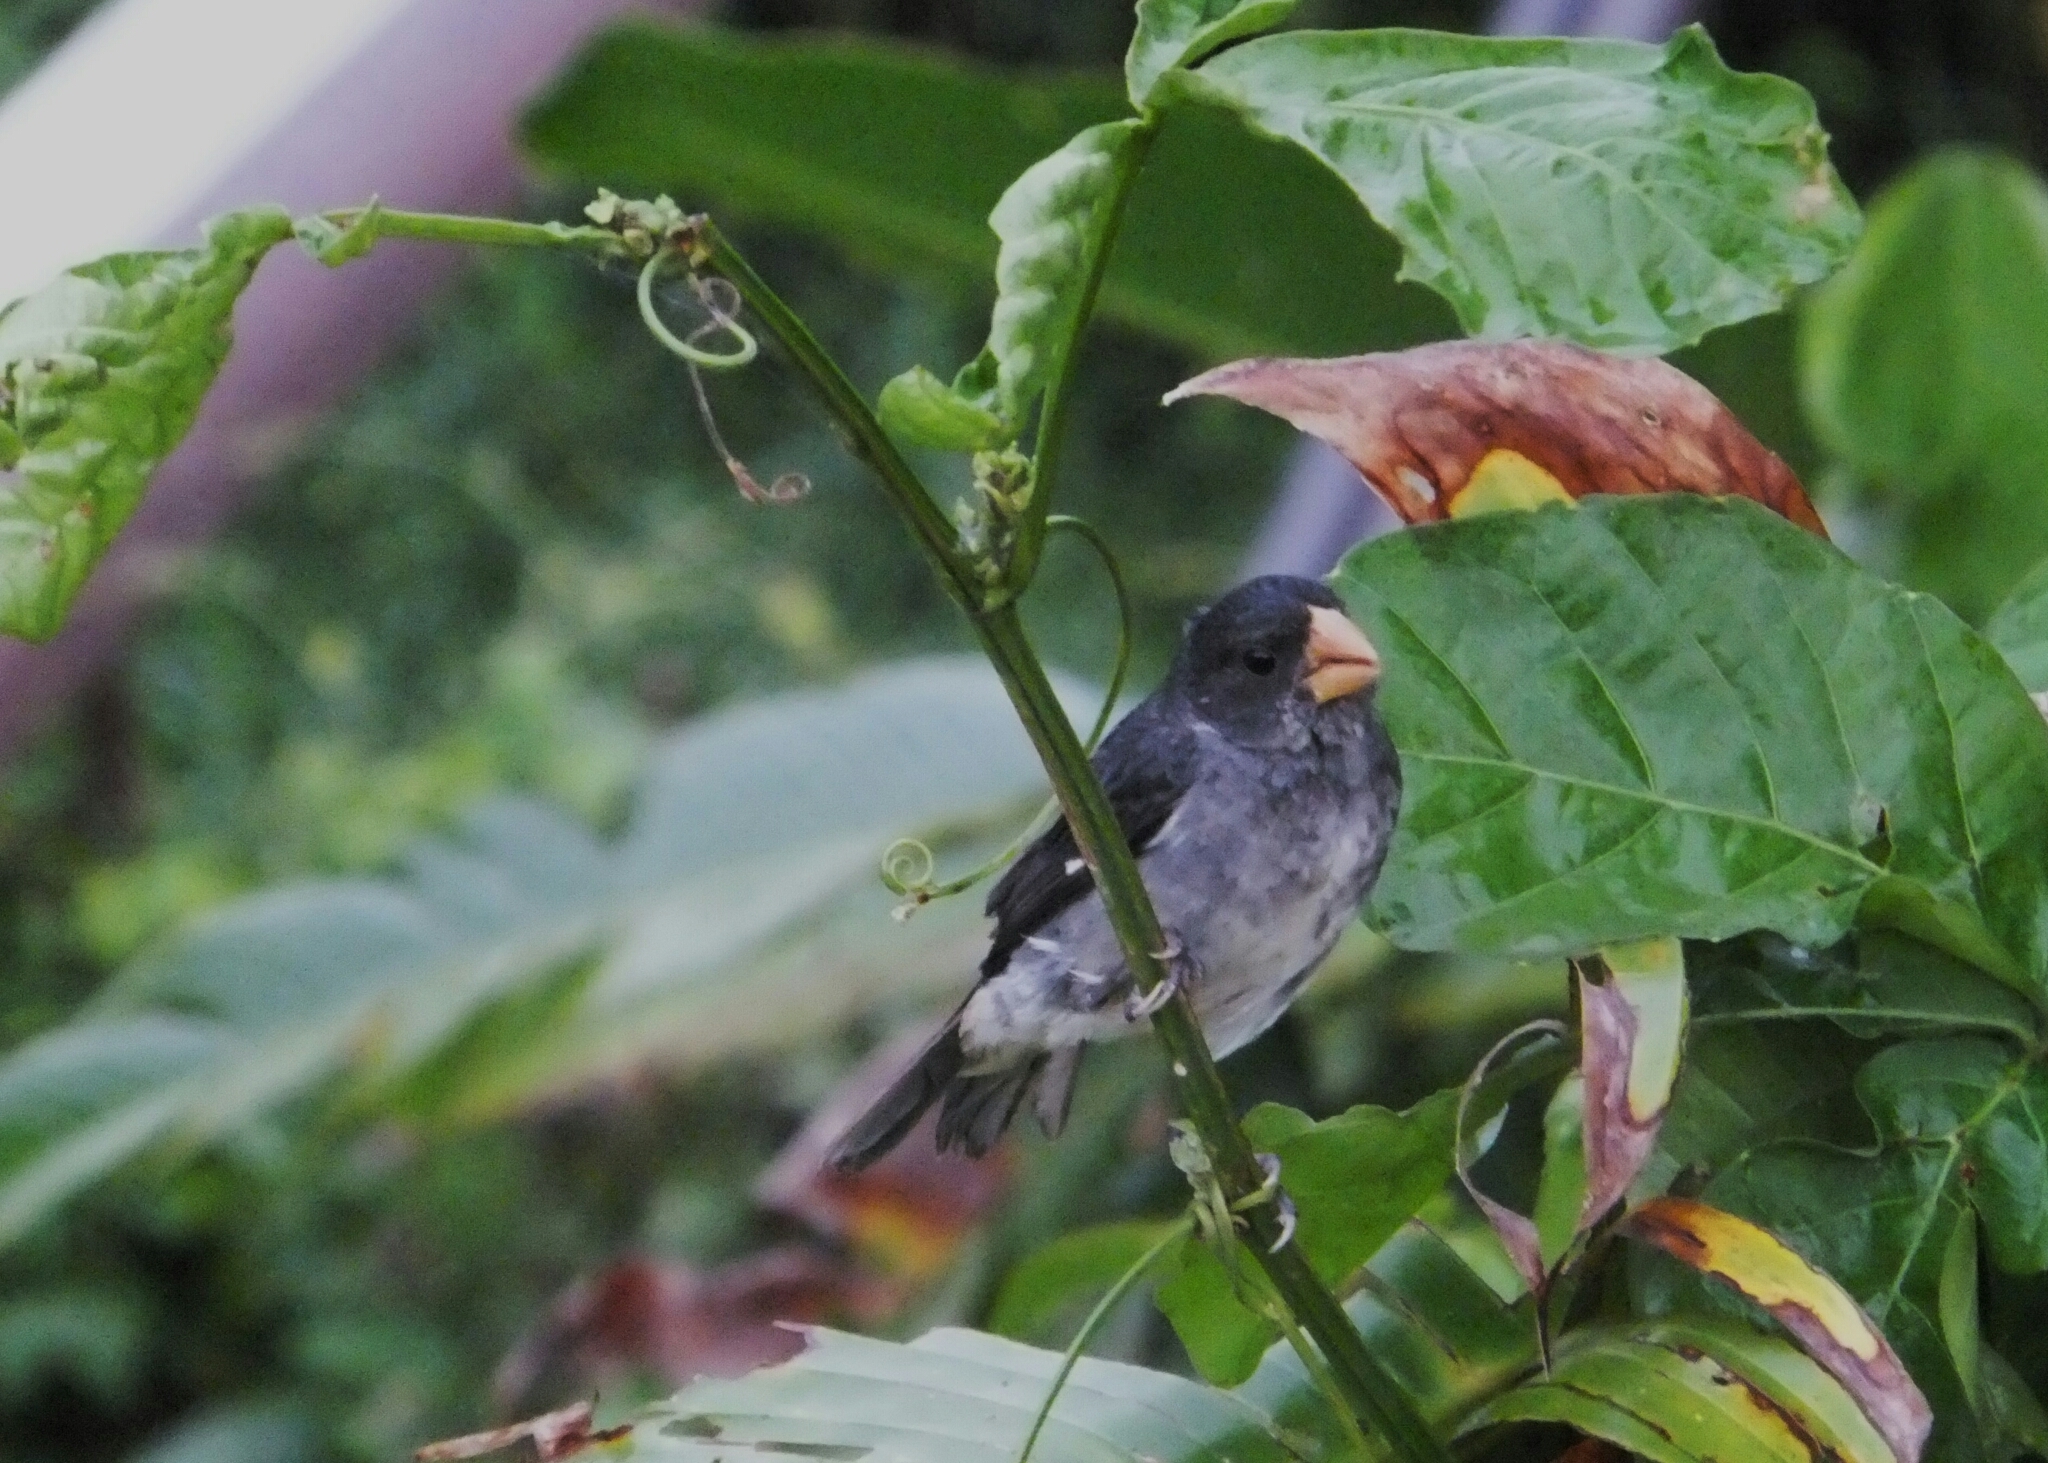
1258,788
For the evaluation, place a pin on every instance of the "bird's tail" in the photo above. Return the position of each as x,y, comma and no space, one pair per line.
974,1108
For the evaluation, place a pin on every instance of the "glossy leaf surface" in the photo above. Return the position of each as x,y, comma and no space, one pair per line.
1625,196
101,374
1684,715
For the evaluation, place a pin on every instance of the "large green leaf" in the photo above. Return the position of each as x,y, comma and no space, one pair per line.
1922,367
525,956
1221,234
951,1397
1682,715
1625,196
101,374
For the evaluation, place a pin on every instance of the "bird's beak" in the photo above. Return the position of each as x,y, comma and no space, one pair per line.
1339,659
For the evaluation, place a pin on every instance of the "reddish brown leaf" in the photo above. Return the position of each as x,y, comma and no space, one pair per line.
1632,1030
908,1212
1818,1313
679,1322
558,1434
1463,426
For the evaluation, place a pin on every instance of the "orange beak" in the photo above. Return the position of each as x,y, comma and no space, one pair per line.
1339,659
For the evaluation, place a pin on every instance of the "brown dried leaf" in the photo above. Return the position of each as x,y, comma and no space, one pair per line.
1633,1031
679,1322
558,1434
1828,1325
1459,427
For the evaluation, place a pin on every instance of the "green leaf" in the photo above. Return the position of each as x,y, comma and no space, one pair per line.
1957,1308
335,244
1626,196
1220,232
101,374
1972,1102
949,1397
1561,1188
918,408
1547,678
1920,367
1051,1281
2014,1422
1176,33
1440,1307
1052,225
1355,1179
2019,629
523,957
1880,983
1694,1391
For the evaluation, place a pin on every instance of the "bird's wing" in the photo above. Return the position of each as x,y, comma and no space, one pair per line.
1146,764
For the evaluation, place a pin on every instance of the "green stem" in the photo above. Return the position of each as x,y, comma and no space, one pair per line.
1374,1397
1052,420
449,228
1125,619
1111,1299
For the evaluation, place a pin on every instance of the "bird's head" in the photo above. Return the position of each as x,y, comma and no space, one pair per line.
1271,657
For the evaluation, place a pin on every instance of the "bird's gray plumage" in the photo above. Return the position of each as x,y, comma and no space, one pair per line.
1260,818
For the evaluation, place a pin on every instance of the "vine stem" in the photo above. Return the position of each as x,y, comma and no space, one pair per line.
450,228
1111,1298
1375,1398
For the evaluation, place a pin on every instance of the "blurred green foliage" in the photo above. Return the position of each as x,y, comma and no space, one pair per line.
508,565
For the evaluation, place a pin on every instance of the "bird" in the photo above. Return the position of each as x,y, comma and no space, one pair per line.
1258,788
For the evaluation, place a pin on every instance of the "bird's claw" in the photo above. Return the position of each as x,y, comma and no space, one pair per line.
1141,1004
1270,1192
1174,957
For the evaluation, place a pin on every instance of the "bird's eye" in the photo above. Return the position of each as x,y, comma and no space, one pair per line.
1259,662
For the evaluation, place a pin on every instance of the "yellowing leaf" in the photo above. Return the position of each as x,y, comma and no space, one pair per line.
1818,1313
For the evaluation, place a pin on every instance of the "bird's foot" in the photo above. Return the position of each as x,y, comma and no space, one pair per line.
1180,970
1270,1192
